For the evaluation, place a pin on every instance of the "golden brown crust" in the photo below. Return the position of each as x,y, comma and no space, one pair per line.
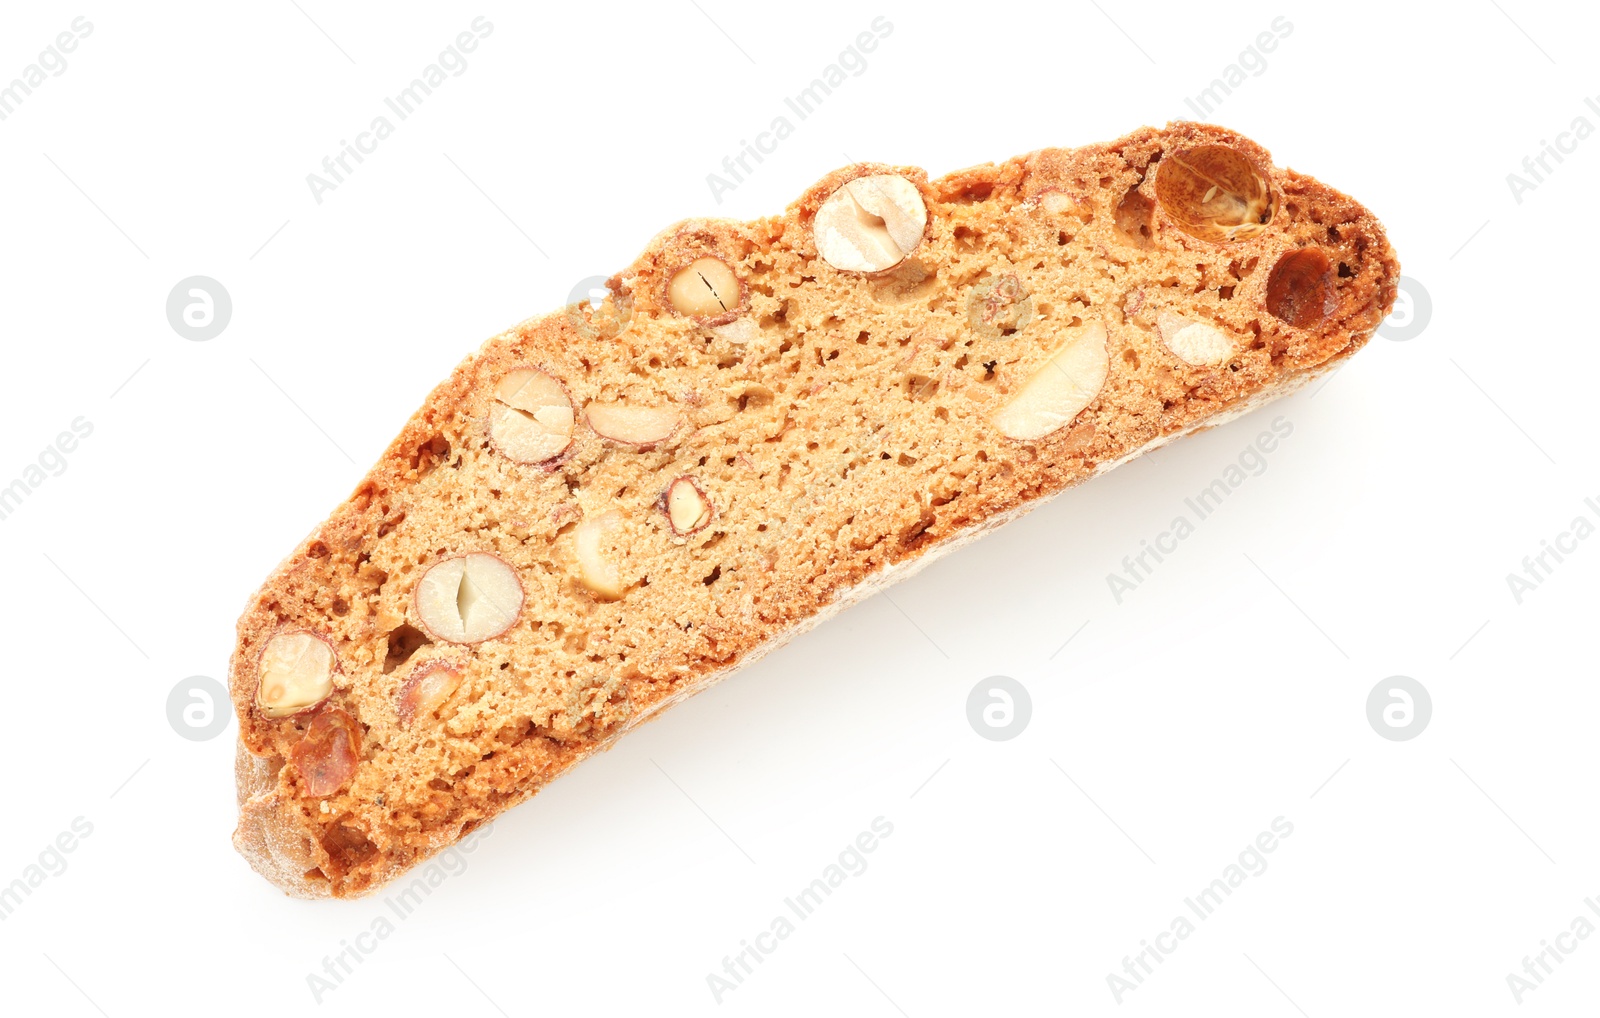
842,447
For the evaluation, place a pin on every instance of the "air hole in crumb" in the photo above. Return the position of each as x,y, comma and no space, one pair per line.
316,549
1225,292
918,531
713,576
347,848
404,641
340,607
1131,357
1344,271
988,369
1133,216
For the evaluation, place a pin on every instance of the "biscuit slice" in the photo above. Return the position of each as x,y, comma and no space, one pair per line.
606,509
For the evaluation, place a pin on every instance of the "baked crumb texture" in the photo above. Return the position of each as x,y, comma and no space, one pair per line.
821,427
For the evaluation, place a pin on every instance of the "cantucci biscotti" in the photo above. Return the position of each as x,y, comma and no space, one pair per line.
608,508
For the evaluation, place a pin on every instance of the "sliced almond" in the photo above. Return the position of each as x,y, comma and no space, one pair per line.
870,223
705,288
531,419
1197,343
295,673
633,425
1061,388
687,508
594,540
469,598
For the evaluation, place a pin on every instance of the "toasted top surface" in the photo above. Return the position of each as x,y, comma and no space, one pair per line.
830,422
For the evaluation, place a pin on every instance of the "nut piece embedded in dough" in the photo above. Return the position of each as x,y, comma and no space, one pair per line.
295,674
1214,193
705,288
633,425
327,755
469,598
870,223
531,418
687,508
426,690
999,306
1065,384
1197,343
1055,201
597,566
739,331
1300,288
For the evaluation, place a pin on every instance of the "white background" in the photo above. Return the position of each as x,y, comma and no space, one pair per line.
1229,689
